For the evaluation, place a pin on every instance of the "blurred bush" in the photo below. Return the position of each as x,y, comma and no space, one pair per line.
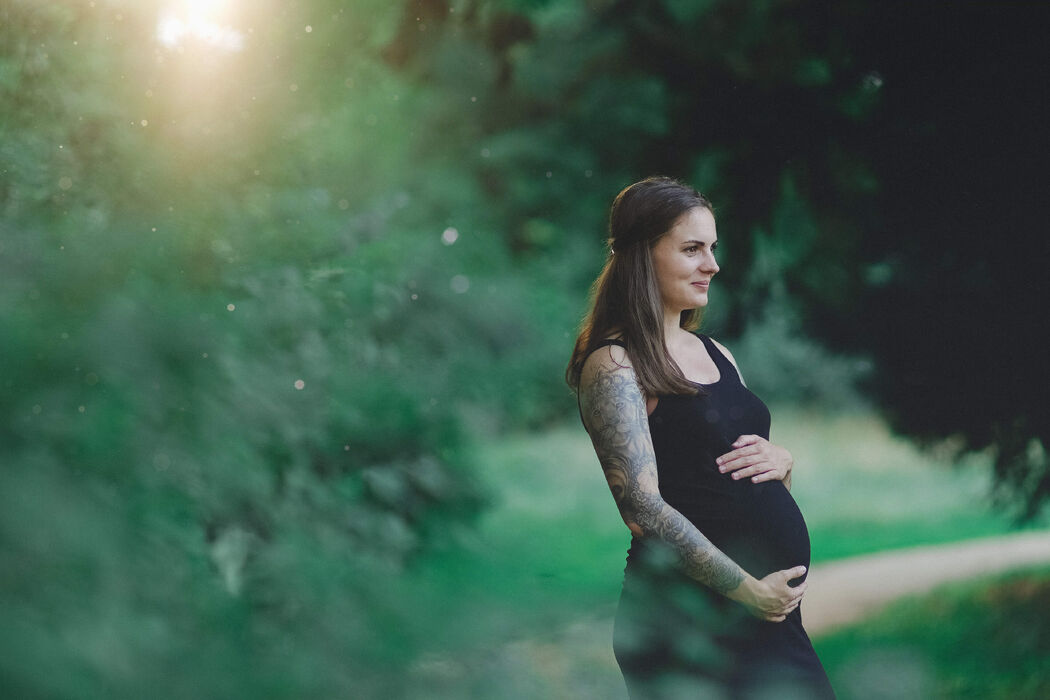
231,360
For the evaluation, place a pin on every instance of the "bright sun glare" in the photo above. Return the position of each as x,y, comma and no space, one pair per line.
201,20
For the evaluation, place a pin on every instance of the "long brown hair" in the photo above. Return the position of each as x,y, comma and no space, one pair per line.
625,299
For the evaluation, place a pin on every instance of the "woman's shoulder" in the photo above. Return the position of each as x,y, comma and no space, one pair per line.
609,354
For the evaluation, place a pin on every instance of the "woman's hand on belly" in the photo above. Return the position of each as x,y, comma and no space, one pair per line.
757,458
771,598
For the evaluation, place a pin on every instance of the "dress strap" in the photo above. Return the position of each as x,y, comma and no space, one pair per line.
605,343
725,367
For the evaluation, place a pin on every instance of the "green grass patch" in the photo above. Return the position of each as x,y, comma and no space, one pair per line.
863,490
980,639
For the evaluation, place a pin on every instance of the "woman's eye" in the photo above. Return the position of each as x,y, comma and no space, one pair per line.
691,249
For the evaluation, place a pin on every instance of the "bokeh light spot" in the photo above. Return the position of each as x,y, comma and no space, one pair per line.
459,284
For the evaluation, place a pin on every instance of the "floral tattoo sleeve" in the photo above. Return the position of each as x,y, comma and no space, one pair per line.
614,413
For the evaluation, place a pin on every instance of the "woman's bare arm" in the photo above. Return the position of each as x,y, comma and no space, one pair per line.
614,414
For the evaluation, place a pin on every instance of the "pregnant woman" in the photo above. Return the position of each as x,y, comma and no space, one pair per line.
717,564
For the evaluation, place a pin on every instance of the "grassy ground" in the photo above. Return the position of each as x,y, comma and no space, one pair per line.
981,639
863,490
539,579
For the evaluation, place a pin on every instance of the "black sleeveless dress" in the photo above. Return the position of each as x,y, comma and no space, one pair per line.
675,637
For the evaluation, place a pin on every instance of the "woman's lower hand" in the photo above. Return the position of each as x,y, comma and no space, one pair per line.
755,457
771,598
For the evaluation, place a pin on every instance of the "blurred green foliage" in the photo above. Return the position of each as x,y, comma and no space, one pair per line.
227,417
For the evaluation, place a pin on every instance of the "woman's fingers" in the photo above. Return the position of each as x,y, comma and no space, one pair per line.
756,458
791,575
779,615
746,440
790,606
780,599
790,603
751,452
753,470
741,452
770,475
792,594
726,463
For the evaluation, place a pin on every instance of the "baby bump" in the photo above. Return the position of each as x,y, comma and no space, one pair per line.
762,530
783,525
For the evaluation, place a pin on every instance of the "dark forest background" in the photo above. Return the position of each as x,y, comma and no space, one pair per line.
256,301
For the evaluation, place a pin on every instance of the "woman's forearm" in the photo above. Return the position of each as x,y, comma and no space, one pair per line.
700,558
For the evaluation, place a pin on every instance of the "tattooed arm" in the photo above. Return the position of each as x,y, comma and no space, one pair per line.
614,414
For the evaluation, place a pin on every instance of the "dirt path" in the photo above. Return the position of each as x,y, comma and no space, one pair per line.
848,590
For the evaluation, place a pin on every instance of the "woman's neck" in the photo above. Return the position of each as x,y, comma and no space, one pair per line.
672,325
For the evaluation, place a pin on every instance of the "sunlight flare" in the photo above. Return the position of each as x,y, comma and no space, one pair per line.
205,21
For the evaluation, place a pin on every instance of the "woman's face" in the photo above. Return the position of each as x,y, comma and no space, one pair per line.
684,261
